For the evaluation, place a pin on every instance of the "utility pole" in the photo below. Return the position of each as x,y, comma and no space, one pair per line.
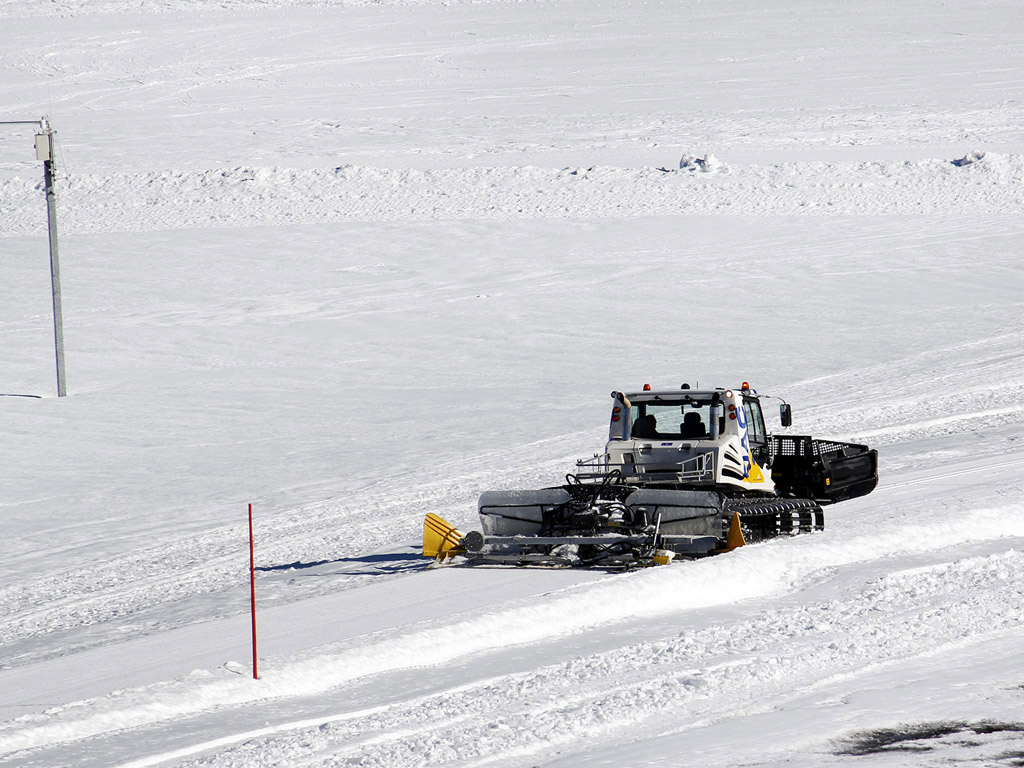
44,152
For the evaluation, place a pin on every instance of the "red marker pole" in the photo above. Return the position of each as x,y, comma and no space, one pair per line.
252,595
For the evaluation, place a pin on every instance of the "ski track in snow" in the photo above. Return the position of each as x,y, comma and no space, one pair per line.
246,197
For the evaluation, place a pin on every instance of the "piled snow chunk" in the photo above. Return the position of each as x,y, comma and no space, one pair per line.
969,159
707,164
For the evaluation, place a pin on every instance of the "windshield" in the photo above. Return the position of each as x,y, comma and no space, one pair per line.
687,419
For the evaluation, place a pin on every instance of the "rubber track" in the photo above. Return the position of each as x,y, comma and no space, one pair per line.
767,518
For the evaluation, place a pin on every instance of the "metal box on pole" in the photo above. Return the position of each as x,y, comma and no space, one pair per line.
42,147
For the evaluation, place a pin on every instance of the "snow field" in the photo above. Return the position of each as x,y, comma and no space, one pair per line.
112,592
196,86
163,586
355,262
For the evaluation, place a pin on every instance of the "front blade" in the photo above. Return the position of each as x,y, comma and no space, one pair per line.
439,536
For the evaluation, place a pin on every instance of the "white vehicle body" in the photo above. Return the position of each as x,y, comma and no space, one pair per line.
714,438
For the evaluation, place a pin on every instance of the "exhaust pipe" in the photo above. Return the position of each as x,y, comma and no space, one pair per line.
716,414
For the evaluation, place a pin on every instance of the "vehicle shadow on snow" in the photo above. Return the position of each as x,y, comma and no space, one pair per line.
380,563
995,743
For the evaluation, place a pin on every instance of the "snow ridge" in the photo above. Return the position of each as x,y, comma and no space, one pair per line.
246,197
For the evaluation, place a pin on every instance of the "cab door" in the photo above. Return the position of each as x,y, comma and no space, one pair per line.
756,433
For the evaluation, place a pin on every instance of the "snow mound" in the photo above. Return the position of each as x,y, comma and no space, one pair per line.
969,159
707,164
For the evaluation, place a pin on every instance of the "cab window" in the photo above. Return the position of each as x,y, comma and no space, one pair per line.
684,419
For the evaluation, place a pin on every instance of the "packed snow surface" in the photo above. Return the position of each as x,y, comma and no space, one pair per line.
353,262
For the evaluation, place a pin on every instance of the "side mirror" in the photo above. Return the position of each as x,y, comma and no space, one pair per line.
786,414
